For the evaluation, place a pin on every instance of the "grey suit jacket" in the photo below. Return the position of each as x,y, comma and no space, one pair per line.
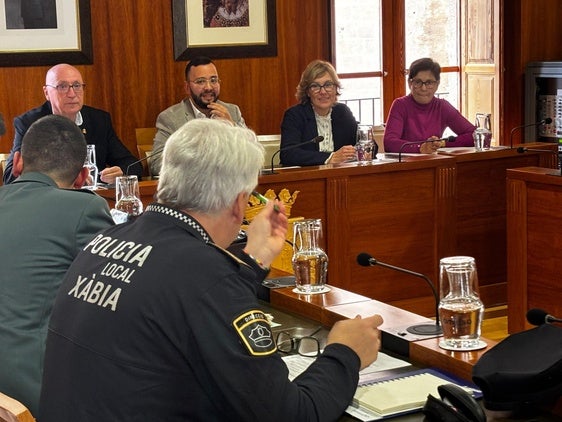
42,228
175,117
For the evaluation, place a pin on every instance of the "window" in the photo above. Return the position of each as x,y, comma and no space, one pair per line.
358,57
372,53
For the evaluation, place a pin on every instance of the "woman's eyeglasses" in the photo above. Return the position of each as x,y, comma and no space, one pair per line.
417,83
315,88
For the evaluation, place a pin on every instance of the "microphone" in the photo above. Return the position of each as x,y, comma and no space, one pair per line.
447,139
159,151
315,140
2,125
537,316
546,121
366,260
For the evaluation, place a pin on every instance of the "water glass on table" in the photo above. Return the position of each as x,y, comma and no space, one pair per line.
364,145
90,164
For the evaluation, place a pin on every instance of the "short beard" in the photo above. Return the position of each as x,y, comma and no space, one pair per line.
199,103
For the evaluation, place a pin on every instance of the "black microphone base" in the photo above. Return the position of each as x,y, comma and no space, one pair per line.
398,339
425,329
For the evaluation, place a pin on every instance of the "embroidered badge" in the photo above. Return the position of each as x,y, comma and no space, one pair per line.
255,332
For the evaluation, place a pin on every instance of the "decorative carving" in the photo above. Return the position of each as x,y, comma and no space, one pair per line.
283,260
255,206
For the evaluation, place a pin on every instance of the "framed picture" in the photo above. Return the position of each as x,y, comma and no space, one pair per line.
45,32
223,29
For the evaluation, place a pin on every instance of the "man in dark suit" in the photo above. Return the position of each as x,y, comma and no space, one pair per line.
64,91
45,222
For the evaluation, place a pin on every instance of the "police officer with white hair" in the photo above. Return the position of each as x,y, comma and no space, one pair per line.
156,320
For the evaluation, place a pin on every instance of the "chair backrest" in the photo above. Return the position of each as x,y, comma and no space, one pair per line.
271,144
378,134
12,410
145,135
145,139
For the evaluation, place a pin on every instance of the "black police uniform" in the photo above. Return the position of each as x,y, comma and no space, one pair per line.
154,322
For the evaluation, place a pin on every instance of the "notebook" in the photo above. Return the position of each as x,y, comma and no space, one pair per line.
405,392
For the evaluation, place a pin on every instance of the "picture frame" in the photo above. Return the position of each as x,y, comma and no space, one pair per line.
195,35
68,41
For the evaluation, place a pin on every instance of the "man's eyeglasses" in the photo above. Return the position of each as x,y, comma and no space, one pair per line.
316,88
417,83
305,346
64,87
201,82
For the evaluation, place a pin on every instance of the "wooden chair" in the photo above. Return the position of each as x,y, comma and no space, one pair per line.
378,133
12,410
145,139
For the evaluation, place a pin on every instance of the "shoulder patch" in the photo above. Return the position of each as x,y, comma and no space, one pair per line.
255,332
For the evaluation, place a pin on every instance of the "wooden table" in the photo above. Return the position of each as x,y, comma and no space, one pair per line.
408,214
480,209
340,304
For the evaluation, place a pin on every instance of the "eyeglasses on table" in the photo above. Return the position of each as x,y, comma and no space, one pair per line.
307,346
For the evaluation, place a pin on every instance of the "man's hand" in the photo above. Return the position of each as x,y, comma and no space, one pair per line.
267,233
218,111
360,334
109,174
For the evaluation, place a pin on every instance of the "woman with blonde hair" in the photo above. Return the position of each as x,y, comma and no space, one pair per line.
318,114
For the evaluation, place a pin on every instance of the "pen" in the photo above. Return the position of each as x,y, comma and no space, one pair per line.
264,200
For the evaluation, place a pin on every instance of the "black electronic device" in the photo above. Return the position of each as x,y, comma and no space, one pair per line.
447,139
455,405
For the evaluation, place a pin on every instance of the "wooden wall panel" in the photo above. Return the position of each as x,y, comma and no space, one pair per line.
134,75
531,33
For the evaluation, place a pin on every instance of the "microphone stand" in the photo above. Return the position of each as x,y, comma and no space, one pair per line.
421,329
315,140
546,121
160,151
366,260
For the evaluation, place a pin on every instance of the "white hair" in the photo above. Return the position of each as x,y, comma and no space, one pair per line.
206,163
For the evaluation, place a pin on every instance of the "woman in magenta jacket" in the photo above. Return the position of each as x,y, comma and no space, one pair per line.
420,116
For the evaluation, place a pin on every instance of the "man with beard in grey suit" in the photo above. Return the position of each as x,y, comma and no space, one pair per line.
202,85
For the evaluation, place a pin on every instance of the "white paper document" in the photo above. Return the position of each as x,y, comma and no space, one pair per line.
297,364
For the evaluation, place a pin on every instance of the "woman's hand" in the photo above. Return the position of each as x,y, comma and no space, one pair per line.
431,145
345,153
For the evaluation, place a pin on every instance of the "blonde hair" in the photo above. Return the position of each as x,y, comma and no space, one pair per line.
315,70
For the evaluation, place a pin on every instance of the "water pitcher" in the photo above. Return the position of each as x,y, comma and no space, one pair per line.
310,262
460,308
483,134
127,196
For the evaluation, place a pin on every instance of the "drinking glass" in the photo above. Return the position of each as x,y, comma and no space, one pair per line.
364,144
90,164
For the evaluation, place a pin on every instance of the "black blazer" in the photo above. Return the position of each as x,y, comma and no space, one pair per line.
299,125
97,129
